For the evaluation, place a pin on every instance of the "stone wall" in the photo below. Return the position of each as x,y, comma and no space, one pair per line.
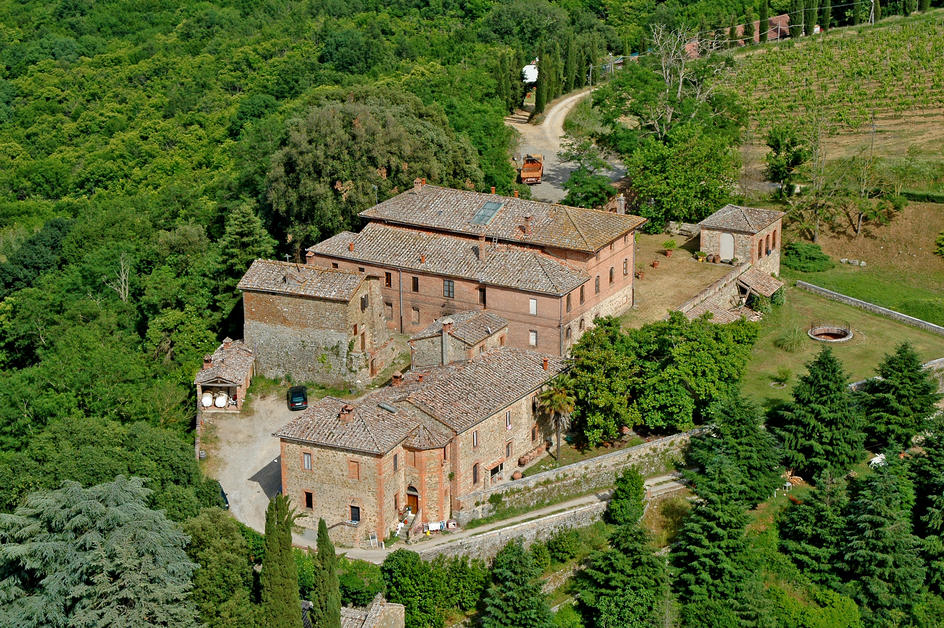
487,544
724,287
871,307
575,479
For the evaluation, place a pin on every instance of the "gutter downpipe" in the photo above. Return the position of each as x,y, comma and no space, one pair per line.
400,294
560,323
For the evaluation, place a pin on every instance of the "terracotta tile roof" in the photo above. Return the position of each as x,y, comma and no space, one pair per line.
471,326
267,275
759,281
425,414
229,365
743,219
503,265
720,313
553,225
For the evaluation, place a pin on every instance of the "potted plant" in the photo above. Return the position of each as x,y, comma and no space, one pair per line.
701,256
655,263
669,246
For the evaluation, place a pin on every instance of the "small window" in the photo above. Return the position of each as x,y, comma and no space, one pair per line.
396,502
533,306
306,461
388,311
365,301
334,264
360,269
534,432
611,246
388,280
501,341
449,288
612,274
482,300
581,324
309,500
355,329
507,419
446,452
581,295
626,239
475,438
533,338
475,473
415,284
416,315
625,267
596,285
567,332
396,462
508,449
355,514
353,470
568,302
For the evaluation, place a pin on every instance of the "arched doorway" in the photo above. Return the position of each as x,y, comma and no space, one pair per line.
727,246
413,499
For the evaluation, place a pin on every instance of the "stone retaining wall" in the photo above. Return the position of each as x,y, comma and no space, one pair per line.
726,284
871,307
487,544
575,479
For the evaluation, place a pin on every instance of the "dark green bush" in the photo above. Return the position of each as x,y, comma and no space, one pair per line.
759,303
564,545
360,581
806,257
540,555
778,298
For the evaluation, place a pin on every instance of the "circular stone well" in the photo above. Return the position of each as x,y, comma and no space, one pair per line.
830,333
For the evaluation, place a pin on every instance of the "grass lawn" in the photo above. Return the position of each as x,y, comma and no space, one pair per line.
570,454
874,337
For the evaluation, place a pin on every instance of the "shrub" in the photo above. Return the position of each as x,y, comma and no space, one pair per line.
540,555
789,339
568,617
806,257
626,504
759,303
778,298
564,545
783,376
669,245
939,244
359,581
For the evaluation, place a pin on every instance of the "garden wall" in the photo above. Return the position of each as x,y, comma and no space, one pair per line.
572,480
871,307
727,285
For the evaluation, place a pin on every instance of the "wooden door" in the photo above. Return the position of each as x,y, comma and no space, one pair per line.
413,503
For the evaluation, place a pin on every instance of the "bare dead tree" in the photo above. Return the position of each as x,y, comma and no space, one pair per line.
121,283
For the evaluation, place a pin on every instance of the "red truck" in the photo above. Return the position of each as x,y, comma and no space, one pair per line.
531,169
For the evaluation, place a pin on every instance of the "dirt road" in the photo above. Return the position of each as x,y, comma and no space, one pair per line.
545,139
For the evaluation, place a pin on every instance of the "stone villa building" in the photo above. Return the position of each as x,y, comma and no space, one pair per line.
547,269
456,337
747,234
314,324
434,435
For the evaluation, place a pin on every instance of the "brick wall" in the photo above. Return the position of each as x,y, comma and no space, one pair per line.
313,340
574,479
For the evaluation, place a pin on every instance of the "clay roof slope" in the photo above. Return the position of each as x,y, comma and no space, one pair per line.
743,219
230,364
553,225
485,385
267,275
430,253
471,326
759,281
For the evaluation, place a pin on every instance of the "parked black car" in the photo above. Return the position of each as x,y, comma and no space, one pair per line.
297,398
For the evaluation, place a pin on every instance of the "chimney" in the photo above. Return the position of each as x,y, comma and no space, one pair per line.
207,361
516,193
350,245
227,342
546,364
527,224
620,204
423,180
420,377
418,184
482,250
446,330
347,413
397,379
493,189
310,257
422,258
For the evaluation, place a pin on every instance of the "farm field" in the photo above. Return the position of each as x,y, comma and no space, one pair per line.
874,337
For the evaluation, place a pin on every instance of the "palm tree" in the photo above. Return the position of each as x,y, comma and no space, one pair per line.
557,401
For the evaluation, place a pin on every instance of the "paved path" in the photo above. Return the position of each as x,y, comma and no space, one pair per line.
545,138
655,486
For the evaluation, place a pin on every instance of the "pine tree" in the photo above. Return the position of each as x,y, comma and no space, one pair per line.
737,433
570,66
928,472
820,429
809,19
626,503
796,18
540,88
514,597
325,594
898,402
885,573
826,21
244,240
811,532
280,600
764,25
625,585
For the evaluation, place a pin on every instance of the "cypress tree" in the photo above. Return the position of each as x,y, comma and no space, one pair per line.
924,6
878,10
809,18
881,555
897,402
540,88
514,596
626,503
820,428
764,25
826,21
796,18
748,34
281,604
570,66
732,33
326,593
